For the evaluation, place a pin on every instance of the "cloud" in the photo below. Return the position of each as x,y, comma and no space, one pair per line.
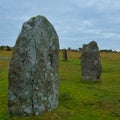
98,4
76,21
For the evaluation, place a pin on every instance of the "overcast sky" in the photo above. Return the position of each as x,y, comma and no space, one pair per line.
76,21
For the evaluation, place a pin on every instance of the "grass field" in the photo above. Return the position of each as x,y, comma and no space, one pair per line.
77,100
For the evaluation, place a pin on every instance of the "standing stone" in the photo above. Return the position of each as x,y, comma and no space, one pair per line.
65,55
33,73
90,62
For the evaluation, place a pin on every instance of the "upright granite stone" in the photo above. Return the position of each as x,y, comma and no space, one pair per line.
33,73
65,58
90,62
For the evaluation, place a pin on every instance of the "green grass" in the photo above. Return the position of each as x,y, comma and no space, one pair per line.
78,100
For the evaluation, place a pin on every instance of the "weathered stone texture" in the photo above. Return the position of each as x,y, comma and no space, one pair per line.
33,73
90,62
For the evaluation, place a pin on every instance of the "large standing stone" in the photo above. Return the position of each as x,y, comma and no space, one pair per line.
90,62
33,73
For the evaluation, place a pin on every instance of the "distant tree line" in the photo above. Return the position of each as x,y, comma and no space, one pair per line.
7,48
108,50
80,49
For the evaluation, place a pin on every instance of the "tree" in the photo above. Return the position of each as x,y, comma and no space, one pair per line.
8,48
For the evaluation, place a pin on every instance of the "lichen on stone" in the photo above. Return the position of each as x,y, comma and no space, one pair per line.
33,73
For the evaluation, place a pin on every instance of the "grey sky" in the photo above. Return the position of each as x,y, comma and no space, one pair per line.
76,21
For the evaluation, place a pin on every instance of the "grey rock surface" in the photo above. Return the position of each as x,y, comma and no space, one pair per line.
90,62
33,72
